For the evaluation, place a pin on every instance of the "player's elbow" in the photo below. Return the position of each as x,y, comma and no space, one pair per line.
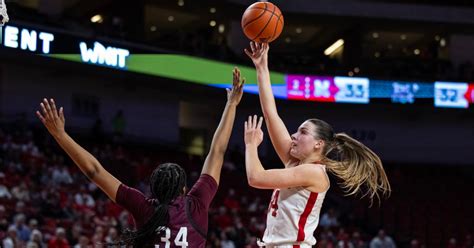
258,185
250,180
253,180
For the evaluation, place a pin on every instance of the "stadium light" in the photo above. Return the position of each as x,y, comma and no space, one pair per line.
332,48
97,19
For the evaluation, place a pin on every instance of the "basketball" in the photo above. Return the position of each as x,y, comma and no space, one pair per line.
262,22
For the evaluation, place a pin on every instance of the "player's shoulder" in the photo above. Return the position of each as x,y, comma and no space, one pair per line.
317,175
312,171
208,179
316,167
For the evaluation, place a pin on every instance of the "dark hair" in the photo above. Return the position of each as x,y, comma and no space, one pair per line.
351,161
166,184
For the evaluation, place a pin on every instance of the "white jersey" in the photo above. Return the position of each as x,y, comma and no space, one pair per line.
292,218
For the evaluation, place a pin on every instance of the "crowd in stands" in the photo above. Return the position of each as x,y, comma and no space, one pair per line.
45,201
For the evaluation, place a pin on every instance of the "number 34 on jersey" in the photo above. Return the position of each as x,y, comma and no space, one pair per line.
181,239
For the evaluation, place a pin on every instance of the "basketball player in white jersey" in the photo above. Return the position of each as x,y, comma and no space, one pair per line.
308,155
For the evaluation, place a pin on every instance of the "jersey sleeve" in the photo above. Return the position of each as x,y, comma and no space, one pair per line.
133,201
204,190
200,198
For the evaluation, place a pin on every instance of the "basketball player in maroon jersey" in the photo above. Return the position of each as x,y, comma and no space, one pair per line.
172,217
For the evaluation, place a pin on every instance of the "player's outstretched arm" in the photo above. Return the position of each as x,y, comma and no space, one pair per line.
309,176
54,121
215,158
279,134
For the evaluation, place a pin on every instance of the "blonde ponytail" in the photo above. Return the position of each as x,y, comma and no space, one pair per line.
357,166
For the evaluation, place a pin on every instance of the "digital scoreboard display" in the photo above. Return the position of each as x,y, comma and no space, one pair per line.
402,92
57,44
328,89
453,94
352,89
311,88
46,43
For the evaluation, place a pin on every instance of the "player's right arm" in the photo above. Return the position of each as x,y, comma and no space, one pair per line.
54,121
215,158
279,134
309,176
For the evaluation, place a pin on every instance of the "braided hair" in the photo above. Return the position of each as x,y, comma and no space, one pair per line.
166,184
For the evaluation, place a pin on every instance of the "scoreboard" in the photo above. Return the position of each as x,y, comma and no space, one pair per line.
453,95
361,90
328,89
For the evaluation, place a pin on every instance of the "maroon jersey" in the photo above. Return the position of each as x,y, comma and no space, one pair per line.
188,214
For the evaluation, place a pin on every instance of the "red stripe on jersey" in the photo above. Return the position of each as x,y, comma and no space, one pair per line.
304,216
296,246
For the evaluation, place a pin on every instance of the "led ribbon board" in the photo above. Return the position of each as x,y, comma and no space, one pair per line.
404,92
454,94
146,60
328,89
135,59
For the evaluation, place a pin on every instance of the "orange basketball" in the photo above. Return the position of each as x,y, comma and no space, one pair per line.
262,22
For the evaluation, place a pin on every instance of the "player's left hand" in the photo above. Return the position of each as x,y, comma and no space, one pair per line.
253,131
234,95
52,119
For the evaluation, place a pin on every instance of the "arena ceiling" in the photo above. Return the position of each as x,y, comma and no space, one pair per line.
304,33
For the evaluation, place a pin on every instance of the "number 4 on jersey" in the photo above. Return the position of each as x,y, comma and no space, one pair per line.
274,203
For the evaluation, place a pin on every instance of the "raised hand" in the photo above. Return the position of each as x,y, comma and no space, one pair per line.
52,119
235,94
253,131
258,53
